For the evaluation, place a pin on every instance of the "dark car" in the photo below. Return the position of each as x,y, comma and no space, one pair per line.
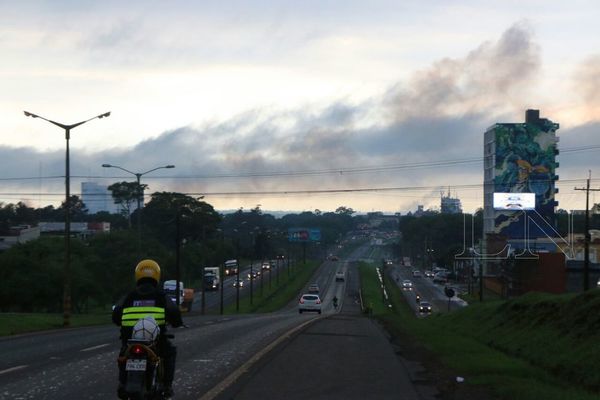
425,307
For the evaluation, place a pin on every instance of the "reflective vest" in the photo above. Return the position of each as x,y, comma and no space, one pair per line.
132,314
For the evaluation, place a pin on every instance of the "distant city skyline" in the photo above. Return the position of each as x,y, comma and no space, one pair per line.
294,106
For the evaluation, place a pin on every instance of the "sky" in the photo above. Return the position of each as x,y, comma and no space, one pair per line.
293,106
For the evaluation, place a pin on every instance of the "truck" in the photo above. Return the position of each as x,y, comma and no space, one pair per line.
186,295
231,267
212,281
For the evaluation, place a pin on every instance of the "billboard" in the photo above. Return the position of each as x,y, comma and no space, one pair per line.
304,234
514,201
525,164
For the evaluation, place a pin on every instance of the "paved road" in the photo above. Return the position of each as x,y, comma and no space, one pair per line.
343,355
81,363
429,291
335,355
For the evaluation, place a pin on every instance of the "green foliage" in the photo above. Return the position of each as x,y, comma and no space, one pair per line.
15,323
279,295
126,194
536,346
444,233
197,219
31,276
101,266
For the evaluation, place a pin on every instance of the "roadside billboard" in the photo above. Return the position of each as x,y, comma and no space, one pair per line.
514,201
304,234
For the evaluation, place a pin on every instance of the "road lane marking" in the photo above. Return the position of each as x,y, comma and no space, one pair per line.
96,347
229,380
6,371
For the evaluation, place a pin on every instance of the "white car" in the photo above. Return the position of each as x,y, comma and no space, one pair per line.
417,273
406,284
309,302
340,276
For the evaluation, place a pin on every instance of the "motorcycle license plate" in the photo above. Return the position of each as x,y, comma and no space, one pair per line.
135,365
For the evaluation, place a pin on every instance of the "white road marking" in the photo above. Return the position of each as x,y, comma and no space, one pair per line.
204,360
6,371
96,347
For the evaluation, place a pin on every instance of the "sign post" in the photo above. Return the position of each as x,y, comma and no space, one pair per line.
304,235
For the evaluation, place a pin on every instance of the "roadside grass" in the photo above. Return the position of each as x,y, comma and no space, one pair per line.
271,300
535,347
279,295
16,323
488,295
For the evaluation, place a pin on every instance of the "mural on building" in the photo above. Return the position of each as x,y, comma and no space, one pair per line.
526,163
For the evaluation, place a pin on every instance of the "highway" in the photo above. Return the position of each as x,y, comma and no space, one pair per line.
219,354
81,363
429,291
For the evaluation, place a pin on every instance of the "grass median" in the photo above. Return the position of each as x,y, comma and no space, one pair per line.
535,347
278,295
16,323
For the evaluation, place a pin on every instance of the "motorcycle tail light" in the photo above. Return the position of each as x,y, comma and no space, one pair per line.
137,350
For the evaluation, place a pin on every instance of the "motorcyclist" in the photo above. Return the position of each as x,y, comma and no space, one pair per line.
148,299
335,301
418,298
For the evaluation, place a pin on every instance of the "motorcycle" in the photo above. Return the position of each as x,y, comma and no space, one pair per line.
144,367
335,303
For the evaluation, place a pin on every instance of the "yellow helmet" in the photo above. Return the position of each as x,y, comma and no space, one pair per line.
147,269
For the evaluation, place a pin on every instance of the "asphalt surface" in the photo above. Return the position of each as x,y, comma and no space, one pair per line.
338,354
344,355
429,291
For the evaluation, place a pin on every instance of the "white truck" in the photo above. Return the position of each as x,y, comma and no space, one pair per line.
170,290
212,279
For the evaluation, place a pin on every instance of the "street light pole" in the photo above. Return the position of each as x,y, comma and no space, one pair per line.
222,277
138,176
67,268
177,255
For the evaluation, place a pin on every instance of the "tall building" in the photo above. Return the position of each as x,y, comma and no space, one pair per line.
450,205
520,158
97,198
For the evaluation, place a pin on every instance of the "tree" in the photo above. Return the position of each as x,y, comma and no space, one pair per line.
24,214
199,219
77,207
126,194
344,210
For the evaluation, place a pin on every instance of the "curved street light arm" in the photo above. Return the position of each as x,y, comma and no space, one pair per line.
65,126
154,169
121,168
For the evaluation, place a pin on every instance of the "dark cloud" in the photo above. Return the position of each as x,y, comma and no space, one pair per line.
576,163
488,78
587,83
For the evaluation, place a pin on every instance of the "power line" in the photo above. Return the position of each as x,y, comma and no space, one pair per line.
312,191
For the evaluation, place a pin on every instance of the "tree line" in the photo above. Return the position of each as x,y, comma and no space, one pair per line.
31,273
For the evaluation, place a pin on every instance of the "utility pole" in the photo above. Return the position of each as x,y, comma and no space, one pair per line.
586,254
383,263
222,270
203,293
